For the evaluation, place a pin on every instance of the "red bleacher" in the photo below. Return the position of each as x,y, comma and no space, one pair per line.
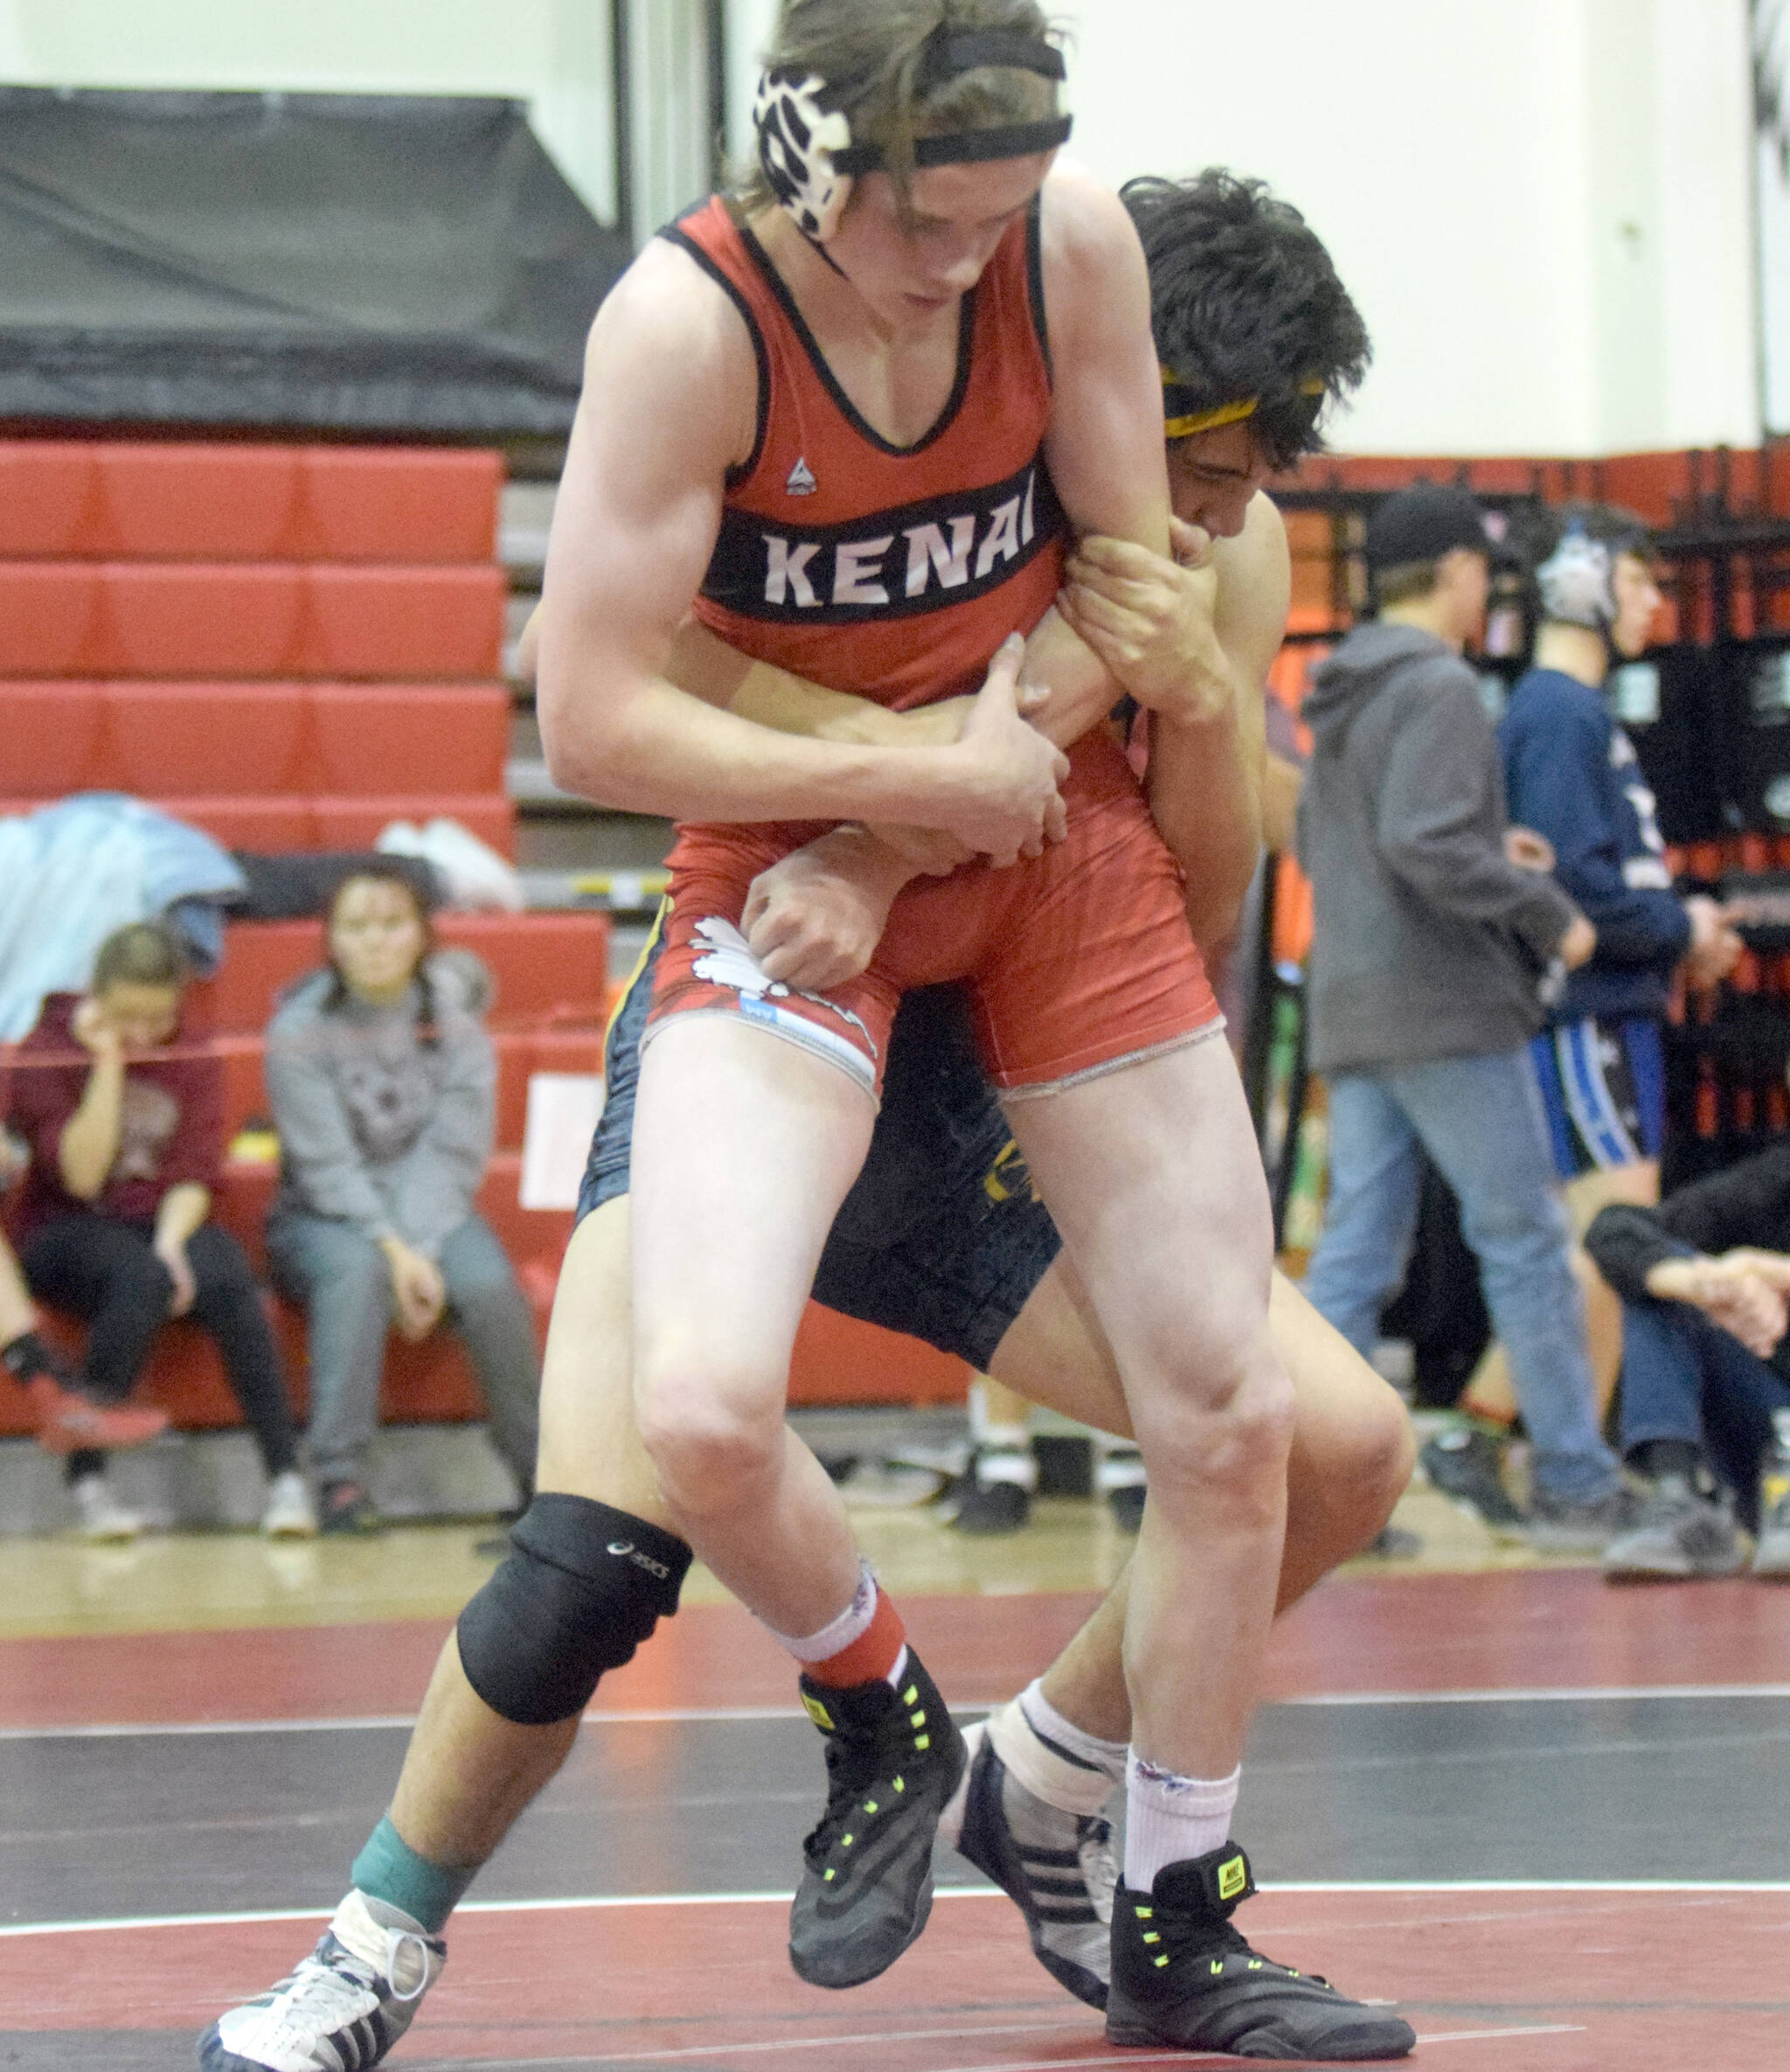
291,648
68,500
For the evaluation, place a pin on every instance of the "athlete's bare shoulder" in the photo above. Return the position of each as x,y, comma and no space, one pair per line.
1255,589
668,335
1085,238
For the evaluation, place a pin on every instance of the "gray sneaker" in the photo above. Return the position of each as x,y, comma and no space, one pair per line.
1674,1532
1568,1525
1467,1465
1771,1552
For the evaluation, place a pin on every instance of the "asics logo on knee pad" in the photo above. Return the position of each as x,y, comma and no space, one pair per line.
627,1550
573,1599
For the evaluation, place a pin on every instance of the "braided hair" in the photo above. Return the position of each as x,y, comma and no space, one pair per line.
388,871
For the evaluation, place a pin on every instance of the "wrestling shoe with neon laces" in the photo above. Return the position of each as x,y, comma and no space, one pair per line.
1057,1868
1182,1976
894,1759
344,2006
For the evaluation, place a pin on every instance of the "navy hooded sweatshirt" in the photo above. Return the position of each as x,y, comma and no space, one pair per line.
1570,774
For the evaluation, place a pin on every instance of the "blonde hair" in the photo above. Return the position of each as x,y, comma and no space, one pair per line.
869,52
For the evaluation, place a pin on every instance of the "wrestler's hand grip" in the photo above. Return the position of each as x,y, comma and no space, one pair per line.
1010,773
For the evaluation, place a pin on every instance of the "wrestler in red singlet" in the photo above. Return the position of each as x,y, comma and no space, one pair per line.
895,572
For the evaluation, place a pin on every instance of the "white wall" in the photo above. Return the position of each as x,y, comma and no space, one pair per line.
1542,207
553,53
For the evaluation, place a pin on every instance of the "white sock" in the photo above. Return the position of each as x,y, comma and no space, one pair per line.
1048,1773
1118,1464
1170,1818
1086,1749
1006,1456
838,1634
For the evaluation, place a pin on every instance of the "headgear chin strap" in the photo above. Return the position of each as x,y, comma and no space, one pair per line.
1576,583
809,160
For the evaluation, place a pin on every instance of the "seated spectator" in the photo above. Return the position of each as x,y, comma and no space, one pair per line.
1702,1279
125,1125
382,1084
66,1418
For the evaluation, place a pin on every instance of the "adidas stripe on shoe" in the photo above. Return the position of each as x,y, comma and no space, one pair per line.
344,2006
1057,1867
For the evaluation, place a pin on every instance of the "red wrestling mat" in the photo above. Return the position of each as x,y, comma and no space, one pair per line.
1516,1631
1501,1981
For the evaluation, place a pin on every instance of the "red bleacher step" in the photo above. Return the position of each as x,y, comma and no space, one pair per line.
546,966
158,740
249,619
191,500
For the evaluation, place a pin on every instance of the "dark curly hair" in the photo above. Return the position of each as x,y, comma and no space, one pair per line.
1246,304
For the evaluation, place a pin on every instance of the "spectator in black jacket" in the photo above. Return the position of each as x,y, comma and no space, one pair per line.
1704,1280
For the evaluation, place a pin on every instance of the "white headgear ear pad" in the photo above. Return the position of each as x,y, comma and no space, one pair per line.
797,139
1575,583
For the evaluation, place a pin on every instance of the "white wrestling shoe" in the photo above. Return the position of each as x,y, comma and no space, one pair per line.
1057,1867
344,2006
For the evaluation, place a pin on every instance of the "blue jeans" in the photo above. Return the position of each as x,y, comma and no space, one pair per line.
341,1281
1686,1378
1481,1120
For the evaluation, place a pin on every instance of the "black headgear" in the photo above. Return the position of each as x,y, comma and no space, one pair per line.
805,143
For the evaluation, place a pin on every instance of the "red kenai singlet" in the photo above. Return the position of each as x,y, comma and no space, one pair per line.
890,572
895,572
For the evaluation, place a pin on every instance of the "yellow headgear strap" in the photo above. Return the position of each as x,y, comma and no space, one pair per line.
1226,414
1209,421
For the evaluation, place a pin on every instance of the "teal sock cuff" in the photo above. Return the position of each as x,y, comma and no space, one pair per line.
388,1868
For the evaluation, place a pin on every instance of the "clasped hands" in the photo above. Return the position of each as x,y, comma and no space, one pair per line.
814,919
1745,1291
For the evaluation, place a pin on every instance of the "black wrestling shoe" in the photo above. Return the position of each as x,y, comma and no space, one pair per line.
1182,1976
1468,1466
992,1503
893,1758
1055,1867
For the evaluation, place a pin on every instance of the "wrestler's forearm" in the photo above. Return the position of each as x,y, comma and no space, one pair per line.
1205,791
1077,692
653,749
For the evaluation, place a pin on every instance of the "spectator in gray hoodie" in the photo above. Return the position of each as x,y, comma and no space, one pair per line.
1432,951
383,1082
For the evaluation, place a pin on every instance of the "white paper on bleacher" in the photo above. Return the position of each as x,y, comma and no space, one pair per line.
562,1109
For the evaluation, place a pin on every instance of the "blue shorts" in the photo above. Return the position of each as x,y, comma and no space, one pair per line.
1603,1085
941,1236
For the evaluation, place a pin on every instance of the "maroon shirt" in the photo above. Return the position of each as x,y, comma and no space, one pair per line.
172,1133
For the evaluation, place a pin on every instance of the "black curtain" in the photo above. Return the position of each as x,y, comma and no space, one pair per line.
399,265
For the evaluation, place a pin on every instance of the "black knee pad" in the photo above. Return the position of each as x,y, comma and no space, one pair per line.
582,1587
